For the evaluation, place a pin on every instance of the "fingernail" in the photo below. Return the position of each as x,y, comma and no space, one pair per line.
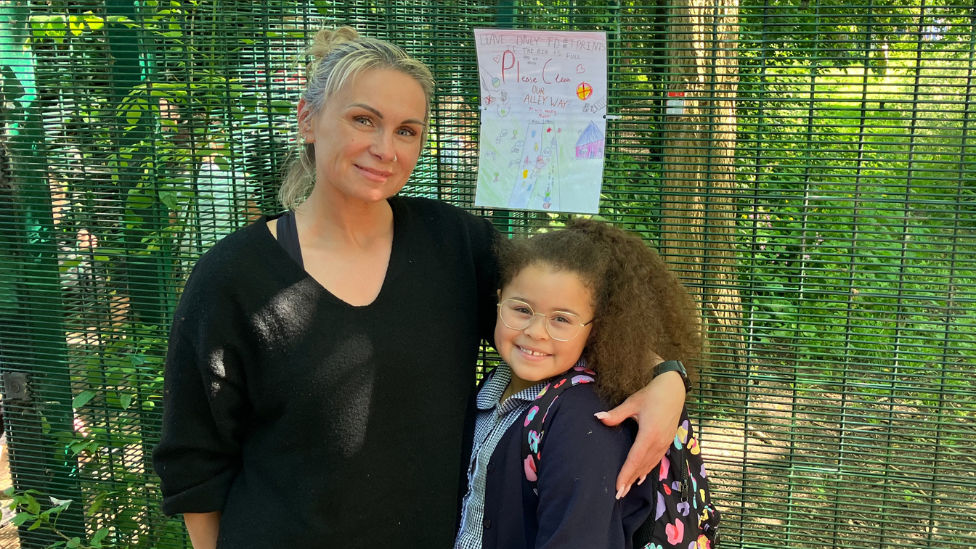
641,481
601,415
621,492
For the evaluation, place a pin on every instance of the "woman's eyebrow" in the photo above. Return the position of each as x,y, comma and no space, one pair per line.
380,115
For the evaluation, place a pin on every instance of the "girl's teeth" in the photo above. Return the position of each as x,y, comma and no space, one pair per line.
530,352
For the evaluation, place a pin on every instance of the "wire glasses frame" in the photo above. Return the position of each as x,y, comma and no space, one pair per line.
518,315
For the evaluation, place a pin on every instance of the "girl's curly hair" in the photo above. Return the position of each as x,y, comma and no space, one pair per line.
641,307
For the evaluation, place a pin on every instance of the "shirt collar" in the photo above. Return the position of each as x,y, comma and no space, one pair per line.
491,392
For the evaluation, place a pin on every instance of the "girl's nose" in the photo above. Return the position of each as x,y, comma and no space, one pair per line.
537,330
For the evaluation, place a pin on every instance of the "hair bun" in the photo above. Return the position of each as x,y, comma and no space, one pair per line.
326,40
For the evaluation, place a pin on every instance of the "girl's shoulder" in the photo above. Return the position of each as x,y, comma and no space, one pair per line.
571,420
579,399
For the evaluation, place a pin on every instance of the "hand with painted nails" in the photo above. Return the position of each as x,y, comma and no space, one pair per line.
657,409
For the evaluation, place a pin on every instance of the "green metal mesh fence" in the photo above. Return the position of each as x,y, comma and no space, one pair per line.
816,195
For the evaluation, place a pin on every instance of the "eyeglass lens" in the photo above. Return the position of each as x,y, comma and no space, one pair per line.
517,315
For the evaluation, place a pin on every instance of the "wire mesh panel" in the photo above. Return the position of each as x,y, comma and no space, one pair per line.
806,166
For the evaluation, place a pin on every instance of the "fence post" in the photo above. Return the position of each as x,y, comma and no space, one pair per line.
39,420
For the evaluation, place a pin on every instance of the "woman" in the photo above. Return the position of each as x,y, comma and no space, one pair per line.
321,371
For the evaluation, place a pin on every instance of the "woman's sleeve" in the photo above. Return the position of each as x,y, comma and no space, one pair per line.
486,264
577,473
204,406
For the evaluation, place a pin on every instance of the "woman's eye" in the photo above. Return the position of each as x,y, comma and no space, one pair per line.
406,132
365,120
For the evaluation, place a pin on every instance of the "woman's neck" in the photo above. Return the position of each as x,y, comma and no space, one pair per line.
338,221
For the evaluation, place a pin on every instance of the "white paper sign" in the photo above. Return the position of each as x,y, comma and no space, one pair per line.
543,101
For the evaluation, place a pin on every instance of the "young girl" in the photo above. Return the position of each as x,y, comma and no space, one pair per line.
586,303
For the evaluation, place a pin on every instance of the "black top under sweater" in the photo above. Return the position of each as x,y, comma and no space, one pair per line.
314,423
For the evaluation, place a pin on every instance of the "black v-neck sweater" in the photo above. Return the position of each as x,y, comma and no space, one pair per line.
314,423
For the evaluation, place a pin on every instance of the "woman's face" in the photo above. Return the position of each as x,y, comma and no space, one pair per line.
368,135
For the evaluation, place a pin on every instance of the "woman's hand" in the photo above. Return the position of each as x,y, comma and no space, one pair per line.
657,409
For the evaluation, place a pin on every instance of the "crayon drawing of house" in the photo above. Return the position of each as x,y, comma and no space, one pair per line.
590,143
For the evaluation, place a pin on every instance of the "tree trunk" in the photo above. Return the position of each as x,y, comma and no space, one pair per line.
698,226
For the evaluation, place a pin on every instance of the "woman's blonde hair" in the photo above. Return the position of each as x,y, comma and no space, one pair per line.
338,55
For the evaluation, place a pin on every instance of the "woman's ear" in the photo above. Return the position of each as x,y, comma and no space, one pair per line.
499,294
305,122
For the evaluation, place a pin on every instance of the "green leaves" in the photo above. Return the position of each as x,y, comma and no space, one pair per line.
99,535
28,509
82,446
82,398
57,27
169,198
98,502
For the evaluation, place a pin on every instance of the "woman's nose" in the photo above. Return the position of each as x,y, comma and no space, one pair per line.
384,147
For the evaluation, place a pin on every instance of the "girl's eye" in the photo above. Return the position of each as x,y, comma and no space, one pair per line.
523,310
562,319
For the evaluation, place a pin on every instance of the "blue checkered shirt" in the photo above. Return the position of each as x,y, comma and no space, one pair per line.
493,420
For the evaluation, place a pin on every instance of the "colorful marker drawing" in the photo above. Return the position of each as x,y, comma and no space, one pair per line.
535,180
590,143
594,106
584,91
543,126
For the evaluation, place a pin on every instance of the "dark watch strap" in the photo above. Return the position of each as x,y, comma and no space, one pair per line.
674,366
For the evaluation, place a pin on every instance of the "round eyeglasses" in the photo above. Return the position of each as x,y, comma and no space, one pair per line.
560,325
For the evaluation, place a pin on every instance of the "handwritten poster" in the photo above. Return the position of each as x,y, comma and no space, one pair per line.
543,101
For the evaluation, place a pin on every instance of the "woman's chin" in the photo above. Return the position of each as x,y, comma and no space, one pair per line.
364,191
375,194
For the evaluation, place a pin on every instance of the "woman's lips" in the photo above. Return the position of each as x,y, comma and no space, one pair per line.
374,174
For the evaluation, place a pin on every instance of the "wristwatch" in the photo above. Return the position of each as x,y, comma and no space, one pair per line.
674,366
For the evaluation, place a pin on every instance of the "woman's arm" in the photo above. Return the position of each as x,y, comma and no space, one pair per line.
657,409
205,406
203,528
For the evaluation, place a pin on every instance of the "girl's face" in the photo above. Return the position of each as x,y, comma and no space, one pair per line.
368,136
532,353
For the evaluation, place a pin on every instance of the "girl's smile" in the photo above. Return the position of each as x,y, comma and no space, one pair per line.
532,353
